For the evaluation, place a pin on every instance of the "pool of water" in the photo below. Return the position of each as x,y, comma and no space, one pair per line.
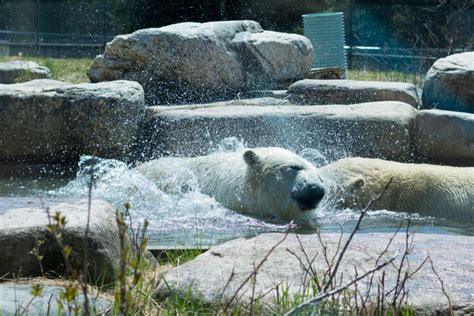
186,218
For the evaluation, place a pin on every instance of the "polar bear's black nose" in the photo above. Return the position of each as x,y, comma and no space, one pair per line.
309,196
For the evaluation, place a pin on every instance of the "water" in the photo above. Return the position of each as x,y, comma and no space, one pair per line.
188,218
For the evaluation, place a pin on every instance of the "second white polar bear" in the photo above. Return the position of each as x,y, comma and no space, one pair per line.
430,190
260,181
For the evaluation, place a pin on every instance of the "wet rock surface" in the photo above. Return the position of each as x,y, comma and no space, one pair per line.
449,84
208,277
445,137
380,129
198,62
260,94
351,91
20,71
16,298
21,228
47,120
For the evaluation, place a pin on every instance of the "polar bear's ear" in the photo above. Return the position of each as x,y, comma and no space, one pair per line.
251,158
357,185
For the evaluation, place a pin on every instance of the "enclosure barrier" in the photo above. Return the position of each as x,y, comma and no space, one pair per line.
326,33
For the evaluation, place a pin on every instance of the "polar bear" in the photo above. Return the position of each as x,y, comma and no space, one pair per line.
438,191
261,182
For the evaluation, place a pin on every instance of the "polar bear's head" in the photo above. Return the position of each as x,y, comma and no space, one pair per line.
285,184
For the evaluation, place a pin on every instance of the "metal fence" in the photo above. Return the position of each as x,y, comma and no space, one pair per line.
51,44
86,46
407,60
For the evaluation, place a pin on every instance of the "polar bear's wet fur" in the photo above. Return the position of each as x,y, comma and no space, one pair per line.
432,190
262,182
275,182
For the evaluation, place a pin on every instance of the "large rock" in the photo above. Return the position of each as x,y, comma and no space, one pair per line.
449,84
444,137
20,71
259,101
194,62
351,91
17,299
379,129
21,228
46,120
208,277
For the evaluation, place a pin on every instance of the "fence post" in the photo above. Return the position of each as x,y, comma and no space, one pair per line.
349,38
37,27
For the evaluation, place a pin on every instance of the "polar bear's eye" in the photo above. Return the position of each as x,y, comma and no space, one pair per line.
296,167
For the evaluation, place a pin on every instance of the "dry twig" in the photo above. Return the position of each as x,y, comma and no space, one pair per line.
257,268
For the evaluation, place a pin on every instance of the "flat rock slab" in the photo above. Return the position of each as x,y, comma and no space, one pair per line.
445,137
351,91
265,100
47,120
20,71
21,228
370,130
208,277
16,299
199,62
449,84
265,94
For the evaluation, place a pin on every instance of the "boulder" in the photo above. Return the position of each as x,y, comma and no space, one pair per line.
20,71
380,129
198,62
21,228
351,91
17,299
216,275
449,84
444,137
47,120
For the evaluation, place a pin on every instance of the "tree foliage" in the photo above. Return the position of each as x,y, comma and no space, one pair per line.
440,23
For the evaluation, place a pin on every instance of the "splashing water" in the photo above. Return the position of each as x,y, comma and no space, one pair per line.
175,217
230,144
184,216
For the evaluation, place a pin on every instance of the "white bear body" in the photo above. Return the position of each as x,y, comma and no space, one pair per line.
260,182
439,191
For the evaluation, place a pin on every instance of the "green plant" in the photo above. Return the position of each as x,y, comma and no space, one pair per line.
36,253
72,70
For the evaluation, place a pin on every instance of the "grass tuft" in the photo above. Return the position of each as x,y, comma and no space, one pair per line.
75,70
72,70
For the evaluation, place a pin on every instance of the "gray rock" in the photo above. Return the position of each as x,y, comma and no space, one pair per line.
351,91
445,137
16,299
208,277
262,101
46,120
21,228
194,62
449,84
20,71
379,129
277,94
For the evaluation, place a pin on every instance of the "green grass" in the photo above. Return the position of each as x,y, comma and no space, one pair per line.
64,69
75,70
415,79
